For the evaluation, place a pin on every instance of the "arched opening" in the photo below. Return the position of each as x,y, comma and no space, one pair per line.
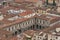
43,27
19,31
25,28
39,27
4,3
15,32
33,27
28,28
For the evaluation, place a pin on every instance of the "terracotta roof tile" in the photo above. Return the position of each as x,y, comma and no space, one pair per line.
26,13
32,0
29,32
26,0
50,18
19,1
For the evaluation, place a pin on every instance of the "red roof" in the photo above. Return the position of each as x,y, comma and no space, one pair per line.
19,1
26,13
32,0
26,0
14,38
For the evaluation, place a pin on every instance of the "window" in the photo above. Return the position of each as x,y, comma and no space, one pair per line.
50,39
12,28
32,21
9,29
43,21
4,3
40,37
23,24
37,12
15,32
37,20
56,37
6,36
40,21
27,22
34,39
18,26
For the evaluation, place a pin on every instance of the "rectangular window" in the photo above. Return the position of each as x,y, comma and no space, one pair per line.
32,21
50,39
9,29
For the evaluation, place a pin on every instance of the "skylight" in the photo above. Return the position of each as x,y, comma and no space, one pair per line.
15,11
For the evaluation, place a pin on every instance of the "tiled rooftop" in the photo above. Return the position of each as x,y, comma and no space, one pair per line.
26,0
11,14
